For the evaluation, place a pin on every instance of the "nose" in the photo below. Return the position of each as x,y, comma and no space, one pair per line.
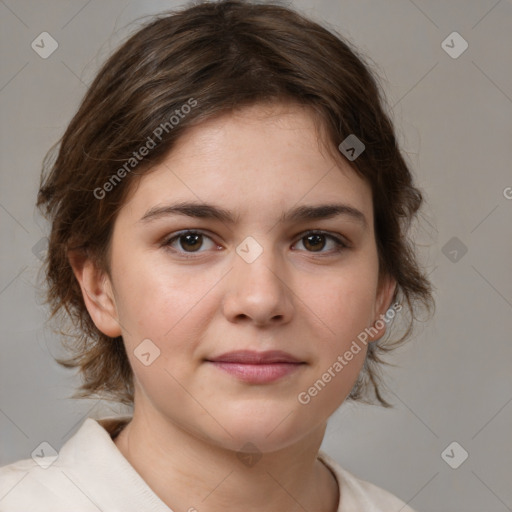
258,292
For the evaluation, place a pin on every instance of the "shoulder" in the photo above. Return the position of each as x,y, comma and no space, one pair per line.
64,481
27,485
357,495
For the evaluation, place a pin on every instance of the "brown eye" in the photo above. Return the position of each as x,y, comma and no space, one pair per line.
315,242
188,242
191,241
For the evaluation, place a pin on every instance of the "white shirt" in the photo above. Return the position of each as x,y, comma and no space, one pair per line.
91,474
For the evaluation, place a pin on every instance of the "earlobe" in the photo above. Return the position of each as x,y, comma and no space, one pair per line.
97,293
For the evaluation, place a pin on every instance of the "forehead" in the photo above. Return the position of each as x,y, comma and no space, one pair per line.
259,160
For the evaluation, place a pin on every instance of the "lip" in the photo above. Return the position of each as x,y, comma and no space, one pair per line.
257,367
253,357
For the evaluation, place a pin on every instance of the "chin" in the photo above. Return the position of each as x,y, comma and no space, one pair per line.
268,428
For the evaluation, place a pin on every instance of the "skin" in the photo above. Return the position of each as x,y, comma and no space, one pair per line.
191,419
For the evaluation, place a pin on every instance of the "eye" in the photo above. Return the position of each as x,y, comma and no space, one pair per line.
315,241
188,241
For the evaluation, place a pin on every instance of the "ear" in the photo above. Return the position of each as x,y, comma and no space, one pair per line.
97,293
385,290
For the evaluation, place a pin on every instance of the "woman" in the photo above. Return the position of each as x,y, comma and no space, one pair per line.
229,214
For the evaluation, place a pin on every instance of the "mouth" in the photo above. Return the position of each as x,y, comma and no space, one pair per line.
257,367
252,357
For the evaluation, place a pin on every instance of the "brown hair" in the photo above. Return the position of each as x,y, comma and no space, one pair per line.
222,56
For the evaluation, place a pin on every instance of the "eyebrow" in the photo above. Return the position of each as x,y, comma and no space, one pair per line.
297,214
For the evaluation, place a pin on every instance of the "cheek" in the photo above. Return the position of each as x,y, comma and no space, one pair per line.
172,307
345,306
172,310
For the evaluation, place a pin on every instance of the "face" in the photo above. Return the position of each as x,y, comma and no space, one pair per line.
199,286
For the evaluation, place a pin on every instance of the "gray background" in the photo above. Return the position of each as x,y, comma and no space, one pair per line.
454,118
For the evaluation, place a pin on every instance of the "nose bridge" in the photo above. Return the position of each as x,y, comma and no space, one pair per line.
257,263
257,286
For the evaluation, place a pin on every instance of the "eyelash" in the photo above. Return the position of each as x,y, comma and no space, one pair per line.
166,244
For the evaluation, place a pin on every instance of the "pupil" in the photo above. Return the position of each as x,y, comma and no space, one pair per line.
317,239
188,239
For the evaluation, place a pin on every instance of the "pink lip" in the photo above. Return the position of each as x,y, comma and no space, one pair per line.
257,367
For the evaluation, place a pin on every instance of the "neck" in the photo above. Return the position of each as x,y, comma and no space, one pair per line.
191,474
